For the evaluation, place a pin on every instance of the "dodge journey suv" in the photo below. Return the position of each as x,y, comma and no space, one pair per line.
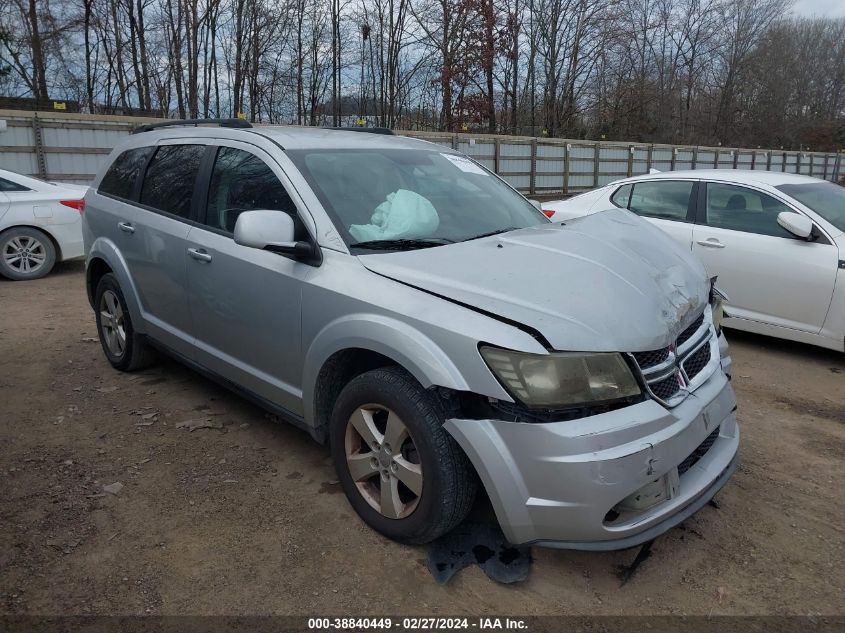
400,302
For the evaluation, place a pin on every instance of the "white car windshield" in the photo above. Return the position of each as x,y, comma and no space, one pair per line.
406,198
825,198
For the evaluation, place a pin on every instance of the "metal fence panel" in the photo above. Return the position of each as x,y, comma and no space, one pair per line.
72,147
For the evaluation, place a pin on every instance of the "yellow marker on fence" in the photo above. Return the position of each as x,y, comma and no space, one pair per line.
59,105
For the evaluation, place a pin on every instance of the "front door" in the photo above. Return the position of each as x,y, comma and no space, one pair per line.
246,303
767,273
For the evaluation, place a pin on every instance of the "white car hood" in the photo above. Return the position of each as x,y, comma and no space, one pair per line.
605,282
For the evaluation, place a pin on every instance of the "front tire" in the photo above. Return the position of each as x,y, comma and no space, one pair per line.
404,475
26,253
124,348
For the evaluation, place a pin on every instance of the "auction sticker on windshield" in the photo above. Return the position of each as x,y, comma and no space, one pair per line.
464,164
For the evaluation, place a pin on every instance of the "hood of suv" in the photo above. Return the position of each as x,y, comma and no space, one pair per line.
605,282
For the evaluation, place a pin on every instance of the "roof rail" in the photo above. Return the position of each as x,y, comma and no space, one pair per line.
370,130
147,127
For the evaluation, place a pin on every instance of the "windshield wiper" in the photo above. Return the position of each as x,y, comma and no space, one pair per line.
489,233
402,244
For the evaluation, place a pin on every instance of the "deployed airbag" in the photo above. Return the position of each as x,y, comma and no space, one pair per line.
404,214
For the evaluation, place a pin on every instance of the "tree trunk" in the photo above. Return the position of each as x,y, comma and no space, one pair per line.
142,45
39,67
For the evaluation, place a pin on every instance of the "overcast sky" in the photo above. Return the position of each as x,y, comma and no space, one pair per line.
830,8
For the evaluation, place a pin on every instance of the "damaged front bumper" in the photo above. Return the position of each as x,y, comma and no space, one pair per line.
609,481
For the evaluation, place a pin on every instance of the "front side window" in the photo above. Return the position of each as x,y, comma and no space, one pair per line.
170,178
241,181
119,180
412,194
667,199
743,209
825,198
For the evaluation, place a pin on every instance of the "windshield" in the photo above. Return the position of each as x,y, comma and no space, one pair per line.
825,198
408,198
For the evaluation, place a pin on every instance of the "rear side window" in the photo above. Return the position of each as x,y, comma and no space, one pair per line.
622,196
8,185
241,181
120,178
667,199
170,178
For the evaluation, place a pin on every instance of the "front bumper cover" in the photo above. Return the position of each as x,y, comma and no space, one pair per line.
554,483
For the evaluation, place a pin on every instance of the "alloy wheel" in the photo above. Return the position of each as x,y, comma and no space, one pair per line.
383,461
112,323
24,254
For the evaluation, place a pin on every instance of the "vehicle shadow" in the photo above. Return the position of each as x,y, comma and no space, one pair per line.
802,351
61,269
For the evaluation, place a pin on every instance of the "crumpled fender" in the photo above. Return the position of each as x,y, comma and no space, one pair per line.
408,347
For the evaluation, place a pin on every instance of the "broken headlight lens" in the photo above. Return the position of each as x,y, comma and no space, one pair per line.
717,305
562,379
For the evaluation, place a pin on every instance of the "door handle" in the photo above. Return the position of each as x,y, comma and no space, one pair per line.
199,254
126,227
711,243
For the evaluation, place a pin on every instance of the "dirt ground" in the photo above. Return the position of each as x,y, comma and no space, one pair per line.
249,519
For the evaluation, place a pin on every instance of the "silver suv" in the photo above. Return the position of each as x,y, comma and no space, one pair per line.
397,300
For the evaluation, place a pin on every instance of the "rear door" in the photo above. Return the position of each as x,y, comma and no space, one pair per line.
767,273
10,191
668,204
151,233
246,303
4,204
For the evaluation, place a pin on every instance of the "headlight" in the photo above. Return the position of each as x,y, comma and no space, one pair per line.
562,379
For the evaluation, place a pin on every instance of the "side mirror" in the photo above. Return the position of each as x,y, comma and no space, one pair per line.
271,231
799,225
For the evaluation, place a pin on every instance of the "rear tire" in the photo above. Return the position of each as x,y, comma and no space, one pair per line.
415,489
124,348
26,253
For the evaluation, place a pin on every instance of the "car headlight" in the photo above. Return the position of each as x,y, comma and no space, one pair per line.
562,379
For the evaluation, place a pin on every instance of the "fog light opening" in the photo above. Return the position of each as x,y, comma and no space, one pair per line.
611,516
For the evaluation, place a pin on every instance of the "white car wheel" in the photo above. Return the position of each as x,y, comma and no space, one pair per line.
25,253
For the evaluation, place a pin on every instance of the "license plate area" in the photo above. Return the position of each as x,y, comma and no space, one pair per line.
661,489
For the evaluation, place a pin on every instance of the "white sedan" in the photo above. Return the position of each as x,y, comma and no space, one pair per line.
776,242
40,224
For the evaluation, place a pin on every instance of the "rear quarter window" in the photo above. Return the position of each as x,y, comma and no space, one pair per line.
622,196
8,185
120,178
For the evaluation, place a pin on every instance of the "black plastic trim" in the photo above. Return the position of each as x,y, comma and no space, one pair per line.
234,123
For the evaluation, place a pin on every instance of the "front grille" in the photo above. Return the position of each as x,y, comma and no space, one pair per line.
666,388
654,364
652,358
684,336
698,453
697,361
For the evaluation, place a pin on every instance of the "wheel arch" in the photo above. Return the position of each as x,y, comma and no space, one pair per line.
103,257
43,230
353,345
